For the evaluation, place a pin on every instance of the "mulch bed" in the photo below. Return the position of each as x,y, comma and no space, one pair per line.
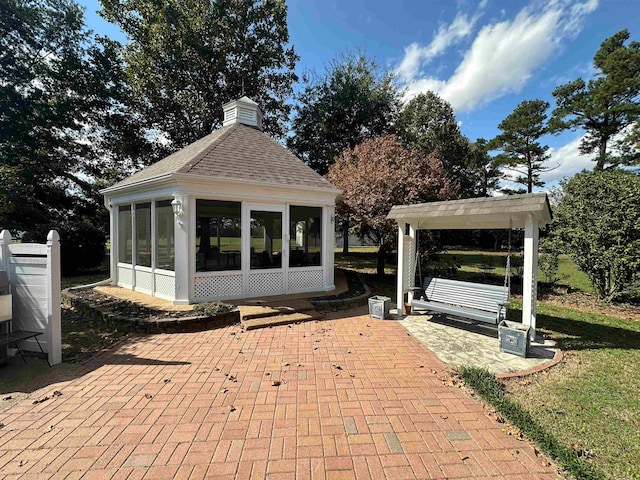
356,288
127,308
589,303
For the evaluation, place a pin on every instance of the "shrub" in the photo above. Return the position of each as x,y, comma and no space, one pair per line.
211,309
598,223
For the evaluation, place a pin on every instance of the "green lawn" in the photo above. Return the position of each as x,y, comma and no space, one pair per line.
590,402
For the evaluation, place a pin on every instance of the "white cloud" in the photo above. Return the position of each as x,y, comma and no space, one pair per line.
417,56
569,162
502,57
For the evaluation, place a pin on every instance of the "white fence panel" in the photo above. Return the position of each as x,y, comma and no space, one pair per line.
34,273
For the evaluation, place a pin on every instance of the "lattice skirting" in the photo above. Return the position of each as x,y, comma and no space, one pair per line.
266,283
144,281
125,276
165,286
218,286
305,280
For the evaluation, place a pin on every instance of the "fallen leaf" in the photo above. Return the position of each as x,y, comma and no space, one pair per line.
48,429
57,393
167,380
352,375
8,397
465,458
148,396
224,390
23,462
1,425
232,408
285,364
275,383
44,399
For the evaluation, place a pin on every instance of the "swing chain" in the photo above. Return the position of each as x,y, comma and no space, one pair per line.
507,268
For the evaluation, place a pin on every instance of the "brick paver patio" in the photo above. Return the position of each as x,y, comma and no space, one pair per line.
358,399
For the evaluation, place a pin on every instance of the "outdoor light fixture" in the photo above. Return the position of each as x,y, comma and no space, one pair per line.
176,205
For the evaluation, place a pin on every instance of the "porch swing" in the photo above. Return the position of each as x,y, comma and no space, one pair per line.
474,301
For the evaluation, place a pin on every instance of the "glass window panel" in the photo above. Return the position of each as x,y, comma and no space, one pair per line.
125,236
266,240
305,246
143,234
165,243
218,235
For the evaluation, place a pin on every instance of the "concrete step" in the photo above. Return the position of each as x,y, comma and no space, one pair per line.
281,319
251,311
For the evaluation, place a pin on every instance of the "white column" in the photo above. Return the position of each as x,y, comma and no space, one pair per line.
530,277
328,240
5,253
412,257
183,258
113,238
401,286
54,325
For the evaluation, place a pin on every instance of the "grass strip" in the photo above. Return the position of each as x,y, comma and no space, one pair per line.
492,391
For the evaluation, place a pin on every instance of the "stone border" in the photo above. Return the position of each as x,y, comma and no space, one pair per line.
143,325
344,303
557,358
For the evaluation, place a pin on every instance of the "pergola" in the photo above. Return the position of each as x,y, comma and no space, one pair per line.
529,211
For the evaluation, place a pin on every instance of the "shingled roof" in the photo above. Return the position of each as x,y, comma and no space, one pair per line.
235,152
485,212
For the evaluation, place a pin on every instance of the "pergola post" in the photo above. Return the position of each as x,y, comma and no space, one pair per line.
412,259
530,279
400,273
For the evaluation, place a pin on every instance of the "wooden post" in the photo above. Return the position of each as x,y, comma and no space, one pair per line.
54,326
530,277
400,272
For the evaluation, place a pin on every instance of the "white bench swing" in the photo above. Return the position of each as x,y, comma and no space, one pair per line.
474,301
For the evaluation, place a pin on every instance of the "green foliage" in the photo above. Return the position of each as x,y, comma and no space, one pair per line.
598,223
606,105
483,171
355,100
186,58
428,123
64,126
487,386
522,153
211,309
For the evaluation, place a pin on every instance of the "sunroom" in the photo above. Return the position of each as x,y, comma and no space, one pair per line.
233,215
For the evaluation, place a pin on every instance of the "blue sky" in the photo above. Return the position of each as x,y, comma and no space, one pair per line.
483,56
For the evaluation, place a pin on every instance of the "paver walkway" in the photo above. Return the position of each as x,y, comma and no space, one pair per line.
358,398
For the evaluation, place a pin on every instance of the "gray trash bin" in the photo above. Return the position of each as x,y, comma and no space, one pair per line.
379,307
514,338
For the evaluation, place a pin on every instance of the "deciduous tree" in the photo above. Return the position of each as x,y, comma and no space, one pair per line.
380,173
428,123
605,106
186,58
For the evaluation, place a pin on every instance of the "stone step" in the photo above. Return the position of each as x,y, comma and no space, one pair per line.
282,319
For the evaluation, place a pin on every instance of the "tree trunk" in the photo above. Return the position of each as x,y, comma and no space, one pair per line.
345,237
602,155
382,253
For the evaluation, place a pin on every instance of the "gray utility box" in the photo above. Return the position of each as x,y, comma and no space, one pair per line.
379,307
514,338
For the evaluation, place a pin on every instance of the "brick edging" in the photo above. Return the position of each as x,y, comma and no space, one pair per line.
344,303
557,358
